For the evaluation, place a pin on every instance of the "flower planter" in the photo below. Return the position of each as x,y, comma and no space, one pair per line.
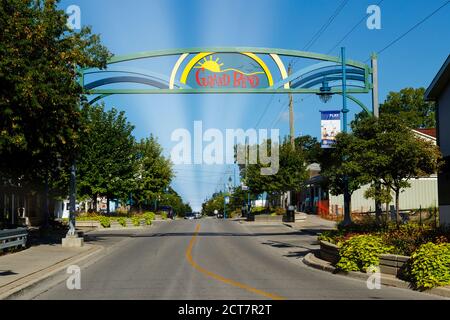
329,252
88,224
392,264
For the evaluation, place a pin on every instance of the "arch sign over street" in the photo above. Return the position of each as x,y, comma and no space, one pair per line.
228,70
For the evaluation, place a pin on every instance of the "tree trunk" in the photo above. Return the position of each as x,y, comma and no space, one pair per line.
347,209
94,202
378,202
397,207
46,203
107,205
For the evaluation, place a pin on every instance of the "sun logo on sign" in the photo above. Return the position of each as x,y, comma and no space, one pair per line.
215,66
210,65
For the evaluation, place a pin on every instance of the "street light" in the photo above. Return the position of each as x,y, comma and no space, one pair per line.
325,94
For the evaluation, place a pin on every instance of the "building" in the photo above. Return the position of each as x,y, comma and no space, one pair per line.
439,91
315,198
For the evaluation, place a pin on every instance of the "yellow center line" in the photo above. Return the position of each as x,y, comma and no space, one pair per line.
217,277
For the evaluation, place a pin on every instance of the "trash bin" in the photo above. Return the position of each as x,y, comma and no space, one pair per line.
290,214
244,211
250,215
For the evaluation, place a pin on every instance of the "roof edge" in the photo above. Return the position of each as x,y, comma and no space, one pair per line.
434,88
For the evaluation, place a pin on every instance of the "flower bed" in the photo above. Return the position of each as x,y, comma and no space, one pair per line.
120,221
416,253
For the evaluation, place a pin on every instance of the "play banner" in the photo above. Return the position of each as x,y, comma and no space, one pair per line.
330,127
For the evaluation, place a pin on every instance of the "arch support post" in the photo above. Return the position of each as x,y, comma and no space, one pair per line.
375,101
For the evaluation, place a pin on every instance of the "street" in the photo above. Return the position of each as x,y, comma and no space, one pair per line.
212,259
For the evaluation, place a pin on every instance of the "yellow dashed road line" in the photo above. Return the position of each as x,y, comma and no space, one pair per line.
219,277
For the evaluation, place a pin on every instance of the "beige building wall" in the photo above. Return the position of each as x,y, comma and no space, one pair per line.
423,192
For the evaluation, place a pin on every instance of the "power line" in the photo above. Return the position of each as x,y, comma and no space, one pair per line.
412,28
351,31
325,26
265,111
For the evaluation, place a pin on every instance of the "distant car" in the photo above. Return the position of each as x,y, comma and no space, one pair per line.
220,215
189,216
197,215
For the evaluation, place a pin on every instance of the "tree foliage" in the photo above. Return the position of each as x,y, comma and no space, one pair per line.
107,160
290,176
409,104
392,154
39,95
153,171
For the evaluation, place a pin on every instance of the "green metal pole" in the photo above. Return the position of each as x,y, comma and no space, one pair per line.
347,196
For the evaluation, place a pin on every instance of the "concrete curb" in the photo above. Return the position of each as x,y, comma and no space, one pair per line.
16,287
312,261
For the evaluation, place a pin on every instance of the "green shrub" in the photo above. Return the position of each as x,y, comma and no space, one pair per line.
407,238
331,236
429,266
136,221
259,210
361,252
164,215
280,211
149,217
122,221
105,221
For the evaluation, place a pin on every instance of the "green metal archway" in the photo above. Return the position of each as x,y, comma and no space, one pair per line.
307,80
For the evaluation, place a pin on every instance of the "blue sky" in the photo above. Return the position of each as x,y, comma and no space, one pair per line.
144,25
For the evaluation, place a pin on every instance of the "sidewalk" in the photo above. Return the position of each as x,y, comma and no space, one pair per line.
25,268
46,257
312,223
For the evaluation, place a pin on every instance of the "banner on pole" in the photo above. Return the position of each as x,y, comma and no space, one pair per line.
330,127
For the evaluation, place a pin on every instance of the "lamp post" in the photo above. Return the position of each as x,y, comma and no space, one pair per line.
325,96
347,196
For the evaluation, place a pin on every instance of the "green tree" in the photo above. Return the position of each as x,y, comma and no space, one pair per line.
215,202
409,104
153,172
174,200
339,166
39,96
107,154
310,147
290,176
392,154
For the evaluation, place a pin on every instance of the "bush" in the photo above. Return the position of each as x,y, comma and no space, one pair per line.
149,217
105,221
407,238
122,221
259,210
331,236
429,266
136,221
361,252
164,215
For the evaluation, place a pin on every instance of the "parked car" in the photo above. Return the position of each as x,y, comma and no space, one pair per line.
189,216
197,215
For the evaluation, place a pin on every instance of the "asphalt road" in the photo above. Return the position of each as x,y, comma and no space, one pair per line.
212,259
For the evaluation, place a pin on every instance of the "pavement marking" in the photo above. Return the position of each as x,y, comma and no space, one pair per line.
219,277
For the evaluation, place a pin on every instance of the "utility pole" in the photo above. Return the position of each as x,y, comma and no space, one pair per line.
72,200
291,113
375,100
